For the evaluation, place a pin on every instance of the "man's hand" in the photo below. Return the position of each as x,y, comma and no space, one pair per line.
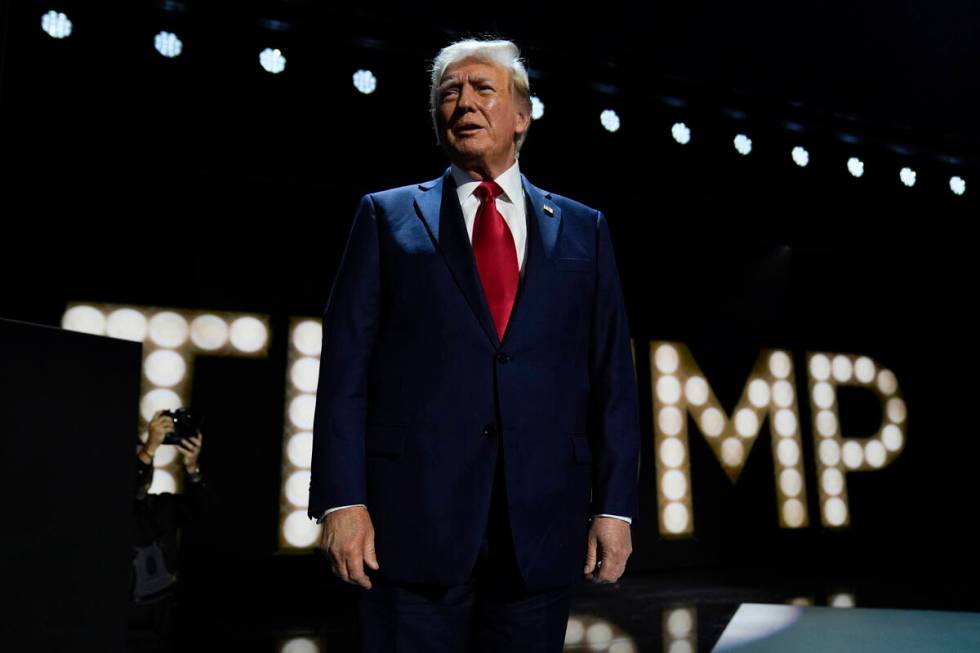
348,542
157,431
191,451
612,538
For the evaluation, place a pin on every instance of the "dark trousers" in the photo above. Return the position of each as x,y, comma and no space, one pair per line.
492,611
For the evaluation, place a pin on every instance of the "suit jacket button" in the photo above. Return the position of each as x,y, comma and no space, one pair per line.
489,430
502,357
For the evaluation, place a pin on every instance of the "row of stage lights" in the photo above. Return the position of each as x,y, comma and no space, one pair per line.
58,25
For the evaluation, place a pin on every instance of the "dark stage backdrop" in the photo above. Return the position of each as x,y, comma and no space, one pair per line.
67,405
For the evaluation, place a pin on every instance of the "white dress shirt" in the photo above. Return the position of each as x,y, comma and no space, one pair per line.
513,207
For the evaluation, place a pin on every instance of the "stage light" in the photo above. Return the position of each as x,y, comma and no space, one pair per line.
248,334
790,482
829,453
126,324
668,389
307,337
158,399
56,24
598,635
163,481
679,628
298,488
785,422
84,319
823,395
826,423
864,369
670,420
168,329
732,452
537,108
832,481
820,367
793,513
835,512
209,332
674,485
299,449
782,393
875,453
675,517
853,454
574,631
891,437
957,185
696,390
842,601
304,374
301,411
665,358
842,369
887,382
759,393
272,61
746,423
681,133
712,422
800,156
895,409
300,531
672,452
780,365
788,453
855,166
365,81
300,645
164,368
743,144
907,175
609,120
167,44
680,623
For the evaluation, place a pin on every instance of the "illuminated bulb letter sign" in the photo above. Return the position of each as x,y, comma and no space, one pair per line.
679,388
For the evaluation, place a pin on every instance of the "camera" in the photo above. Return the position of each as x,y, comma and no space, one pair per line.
186,425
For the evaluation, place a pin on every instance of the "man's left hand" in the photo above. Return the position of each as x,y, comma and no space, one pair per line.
611,537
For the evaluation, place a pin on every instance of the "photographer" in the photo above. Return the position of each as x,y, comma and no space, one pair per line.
156,536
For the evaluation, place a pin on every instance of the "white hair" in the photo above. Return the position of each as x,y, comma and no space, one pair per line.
493,51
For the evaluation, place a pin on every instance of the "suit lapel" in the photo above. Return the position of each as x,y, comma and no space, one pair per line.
438,206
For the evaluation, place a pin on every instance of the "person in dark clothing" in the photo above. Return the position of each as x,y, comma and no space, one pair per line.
158,521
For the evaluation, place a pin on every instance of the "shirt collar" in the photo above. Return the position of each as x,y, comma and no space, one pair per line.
509,180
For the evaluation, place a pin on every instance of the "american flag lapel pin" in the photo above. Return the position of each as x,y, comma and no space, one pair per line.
550,211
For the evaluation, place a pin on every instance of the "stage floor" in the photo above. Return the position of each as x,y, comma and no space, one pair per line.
676,612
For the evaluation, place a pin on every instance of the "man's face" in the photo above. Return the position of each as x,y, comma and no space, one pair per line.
478,116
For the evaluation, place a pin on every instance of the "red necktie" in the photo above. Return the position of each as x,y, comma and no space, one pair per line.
496,255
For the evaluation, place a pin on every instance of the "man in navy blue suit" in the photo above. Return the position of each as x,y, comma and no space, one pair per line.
476,439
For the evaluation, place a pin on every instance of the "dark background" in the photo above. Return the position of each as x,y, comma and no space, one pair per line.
205,182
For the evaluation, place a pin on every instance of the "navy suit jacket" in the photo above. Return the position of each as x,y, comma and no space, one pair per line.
415,388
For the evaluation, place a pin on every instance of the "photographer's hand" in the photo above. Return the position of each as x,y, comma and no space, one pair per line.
190,449
159,426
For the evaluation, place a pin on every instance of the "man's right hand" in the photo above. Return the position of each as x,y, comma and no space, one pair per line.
156,431
348,542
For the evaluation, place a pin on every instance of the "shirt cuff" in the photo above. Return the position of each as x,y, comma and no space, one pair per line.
628,520
330,510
